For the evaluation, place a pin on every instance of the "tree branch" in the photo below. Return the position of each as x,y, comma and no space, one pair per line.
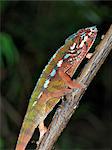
63,114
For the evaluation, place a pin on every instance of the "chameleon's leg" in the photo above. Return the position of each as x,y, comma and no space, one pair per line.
59,93
89,55
48,95
71,84
42,130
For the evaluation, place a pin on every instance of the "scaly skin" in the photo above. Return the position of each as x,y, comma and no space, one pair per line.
55,82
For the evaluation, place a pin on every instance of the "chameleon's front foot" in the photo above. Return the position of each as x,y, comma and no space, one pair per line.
42,130
70,83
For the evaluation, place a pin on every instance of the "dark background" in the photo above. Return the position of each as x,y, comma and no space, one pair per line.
31,32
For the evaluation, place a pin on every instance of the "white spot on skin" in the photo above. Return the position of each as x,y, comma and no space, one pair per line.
78,52
89,33
77,59
72,51
59,63
46,83
52,74
73,46
85,38
66,56
82,43
40,95
77,46
70,59
54,55
34,103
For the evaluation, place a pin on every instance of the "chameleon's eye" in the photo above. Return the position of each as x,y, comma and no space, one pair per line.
93,29
73,46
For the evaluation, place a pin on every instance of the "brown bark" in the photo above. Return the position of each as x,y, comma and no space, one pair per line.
63,114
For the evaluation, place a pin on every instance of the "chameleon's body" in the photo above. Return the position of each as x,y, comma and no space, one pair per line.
55,81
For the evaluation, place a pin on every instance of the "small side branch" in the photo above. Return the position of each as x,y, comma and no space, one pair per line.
63,114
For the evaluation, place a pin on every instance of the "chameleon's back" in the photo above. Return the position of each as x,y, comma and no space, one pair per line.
71,54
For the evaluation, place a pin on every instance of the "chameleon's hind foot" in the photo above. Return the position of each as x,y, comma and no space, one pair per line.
42,130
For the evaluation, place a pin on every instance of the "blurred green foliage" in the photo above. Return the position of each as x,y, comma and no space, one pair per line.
1,143
8,50
31,32
3,5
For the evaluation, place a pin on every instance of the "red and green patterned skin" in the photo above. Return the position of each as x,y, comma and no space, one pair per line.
55,81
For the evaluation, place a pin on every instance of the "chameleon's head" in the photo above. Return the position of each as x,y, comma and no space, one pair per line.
86,37
88,34
82,41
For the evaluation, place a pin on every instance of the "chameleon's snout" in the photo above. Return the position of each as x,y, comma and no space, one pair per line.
93,29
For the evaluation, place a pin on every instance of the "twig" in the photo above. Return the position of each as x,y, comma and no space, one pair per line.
63,114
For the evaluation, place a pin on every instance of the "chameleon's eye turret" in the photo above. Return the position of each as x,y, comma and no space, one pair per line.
93,29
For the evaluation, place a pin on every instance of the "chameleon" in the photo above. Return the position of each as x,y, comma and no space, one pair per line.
55,82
